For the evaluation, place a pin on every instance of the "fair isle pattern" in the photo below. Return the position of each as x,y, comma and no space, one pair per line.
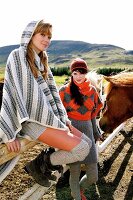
89,110
27,98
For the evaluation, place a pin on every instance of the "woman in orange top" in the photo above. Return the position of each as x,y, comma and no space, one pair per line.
82,104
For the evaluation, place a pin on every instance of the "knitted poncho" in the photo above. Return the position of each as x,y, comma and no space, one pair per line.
26,98
92,102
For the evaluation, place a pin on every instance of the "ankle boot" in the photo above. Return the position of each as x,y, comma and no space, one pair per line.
41,169
35,167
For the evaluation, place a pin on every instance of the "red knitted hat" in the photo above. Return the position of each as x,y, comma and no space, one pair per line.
78,63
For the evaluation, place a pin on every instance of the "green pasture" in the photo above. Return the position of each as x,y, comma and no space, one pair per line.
60,79
2,71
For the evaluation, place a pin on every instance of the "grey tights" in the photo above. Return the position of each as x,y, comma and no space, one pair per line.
90,177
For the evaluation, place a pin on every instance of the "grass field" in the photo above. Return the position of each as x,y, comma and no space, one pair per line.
58,79
2,70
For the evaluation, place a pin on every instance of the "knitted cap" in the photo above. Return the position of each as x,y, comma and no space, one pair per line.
78,63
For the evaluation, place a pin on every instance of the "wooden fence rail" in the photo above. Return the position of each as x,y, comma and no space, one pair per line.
5,155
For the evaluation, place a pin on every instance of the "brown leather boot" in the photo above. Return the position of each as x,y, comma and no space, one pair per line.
39,172
33,169
41,169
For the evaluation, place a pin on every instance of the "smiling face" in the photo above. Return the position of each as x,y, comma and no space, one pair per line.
40,42
78,76
41,38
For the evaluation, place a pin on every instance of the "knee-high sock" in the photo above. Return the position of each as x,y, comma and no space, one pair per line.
87,139
78,153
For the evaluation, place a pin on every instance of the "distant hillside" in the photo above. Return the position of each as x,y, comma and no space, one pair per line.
61,52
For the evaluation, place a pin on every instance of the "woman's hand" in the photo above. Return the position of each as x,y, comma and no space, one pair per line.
69,125
73,130
14,146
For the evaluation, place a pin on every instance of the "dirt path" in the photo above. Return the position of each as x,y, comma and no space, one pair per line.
115,174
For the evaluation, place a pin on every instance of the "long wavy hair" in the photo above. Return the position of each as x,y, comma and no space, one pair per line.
74,89
43,28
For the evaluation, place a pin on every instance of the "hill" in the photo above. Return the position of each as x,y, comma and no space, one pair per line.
61,52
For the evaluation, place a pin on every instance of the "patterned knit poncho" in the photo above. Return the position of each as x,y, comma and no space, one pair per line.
26,98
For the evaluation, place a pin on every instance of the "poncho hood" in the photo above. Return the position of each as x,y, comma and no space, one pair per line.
27,33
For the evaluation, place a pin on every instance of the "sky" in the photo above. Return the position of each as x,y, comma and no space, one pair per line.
92,21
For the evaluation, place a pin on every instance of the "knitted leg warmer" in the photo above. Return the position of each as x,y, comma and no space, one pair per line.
87,139
78,153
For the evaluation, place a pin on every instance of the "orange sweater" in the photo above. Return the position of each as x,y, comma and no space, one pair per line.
92,102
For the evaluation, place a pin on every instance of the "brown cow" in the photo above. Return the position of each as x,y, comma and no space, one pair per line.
119,101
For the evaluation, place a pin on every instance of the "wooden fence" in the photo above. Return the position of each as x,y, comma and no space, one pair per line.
37,191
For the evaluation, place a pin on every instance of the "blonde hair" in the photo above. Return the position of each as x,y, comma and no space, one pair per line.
44,28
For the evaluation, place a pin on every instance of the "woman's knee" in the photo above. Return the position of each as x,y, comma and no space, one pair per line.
81,150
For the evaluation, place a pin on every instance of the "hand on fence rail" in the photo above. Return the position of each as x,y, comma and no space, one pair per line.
14,146
6,155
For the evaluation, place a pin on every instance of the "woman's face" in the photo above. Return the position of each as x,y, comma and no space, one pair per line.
78,77
40,42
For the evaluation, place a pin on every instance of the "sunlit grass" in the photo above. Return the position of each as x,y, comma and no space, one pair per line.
60,79
2,71
1,75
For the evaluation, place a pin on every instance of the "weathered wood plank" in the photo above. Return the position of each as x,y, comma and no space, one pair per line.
5,155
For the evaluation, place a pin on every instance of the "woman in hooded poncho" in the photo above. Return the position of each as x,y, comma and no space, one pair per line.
31,105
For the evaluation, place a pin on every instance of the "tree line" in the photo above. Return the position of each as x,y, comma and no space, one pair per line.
60,71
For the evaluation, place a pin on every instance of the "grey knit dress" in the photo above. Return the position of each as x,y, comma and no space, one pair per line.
85,126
